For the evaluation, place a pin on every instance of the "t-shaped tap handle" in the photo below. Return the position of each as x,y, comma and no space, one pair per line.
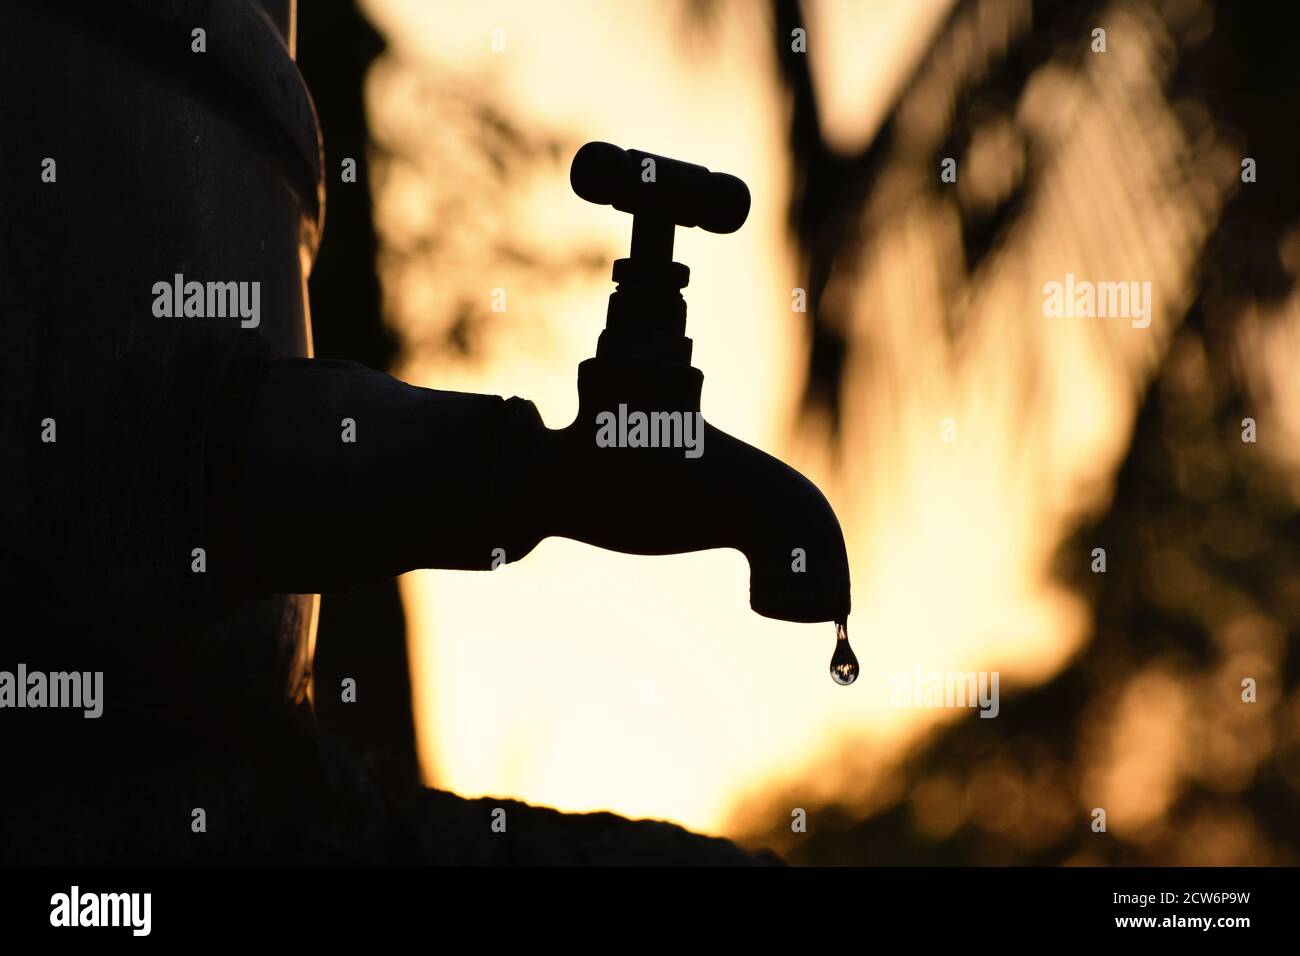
647,314
660,193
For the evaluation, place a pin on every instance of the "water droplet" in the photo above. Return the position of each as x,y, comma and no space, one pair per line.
844,663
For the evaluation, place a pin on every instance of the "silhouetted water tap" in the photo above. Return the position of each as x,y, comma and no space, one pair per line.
639,470
341,474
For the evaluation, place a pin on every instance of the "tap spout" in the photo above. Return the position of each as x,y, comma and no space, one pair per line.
677,488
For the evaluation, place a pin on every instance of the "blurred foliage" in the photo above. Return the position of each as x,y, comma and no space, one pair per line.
1202,587
440,144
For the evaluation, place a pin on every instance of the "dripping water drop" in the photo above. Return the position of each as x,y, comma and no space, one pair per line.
844,663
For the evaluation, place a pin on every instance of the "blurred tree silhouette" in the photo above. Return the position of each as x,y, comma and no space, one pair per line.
1203,584
361,633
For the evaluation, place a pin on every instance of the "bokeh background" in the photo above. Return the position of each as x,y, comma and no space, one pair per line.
586,680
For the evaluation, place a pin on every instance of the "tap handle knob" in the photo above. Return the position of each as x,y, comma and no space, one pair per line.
634,181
